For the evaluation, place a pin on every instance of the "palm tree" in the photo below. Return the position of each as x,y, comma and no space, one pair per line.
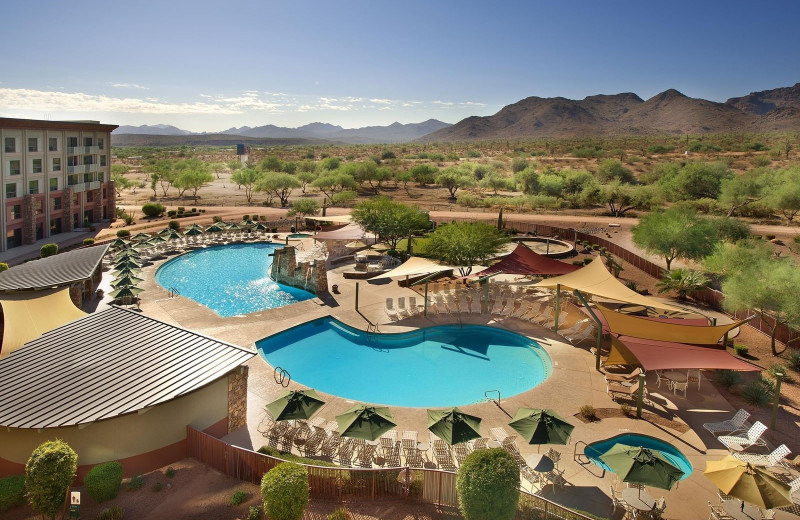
683,281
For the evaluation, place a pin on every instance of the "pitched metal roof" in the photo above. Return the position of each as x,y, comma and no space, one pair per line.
107,364
60,269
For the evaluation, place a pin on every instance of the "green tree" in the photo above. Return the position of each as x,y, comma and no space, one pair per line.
279,185
696,180
48,474
518,164
193,179
740,190
453,178
613,170
424,174
248,178
682,281
306,178
234,165
303,208
334,182
369,172
622,198
389,220
494,181
784,194
271,164
529,180
165,174
465,244
488,485
121,183
676,233
402,178
284,490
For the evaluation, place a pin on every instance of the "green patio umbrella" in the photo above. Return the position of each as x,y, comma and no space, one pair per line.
126,271
127,262
194,231
234,225
295,404
214,228
247,223
166,231
128,254
173,235
365,422
454,426
138,237
128,279
119,242
541,426
194,225
156,240
260,227
127,291
641,466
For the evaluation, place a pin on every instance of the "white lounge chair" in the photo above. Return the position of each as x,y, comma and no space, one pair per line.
402,310
750,438
734,424
771,459
413,309
391,312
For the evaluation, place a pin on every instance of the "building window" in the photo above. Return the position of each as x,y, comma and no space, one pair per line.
101,143
87,141
88,159
56,164
89,196
11,190
37,166
52,144
53,183
14,167
104,193
57,203
72,160
72,142
15,212
11,145
33,187
33,144
72,180
100,176
102,160
88,177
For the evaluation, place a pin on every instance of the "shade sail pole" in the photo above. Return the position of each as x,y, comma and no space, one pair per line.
640,395
425,310
599,328
558,306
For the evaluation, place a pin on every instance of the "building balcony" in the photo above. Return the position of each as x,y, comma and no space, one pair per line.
86,186
83,168
82,150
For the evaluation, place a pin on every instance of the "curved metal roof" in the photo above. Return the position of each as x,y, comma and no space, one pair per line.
53,271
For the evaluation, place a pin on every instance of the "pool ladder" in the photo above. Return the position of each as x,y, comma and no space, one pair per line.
577,456
173,292
282,376
373,327
486,396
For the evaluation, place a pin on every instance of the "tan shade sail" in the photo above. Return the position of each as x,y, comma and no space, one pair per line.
336,219
666,355
348,233
638,327
415,266
595,279
30,314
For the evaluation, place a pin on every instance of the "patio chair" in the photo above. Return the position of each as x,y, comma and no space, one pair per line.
659,508
794,486
771,459
661,378
554,478
498,306
345,452
313,442
402,310
680,387
461,451
694,377
546,315
392,456
481,443
413,309
743,441
330,446
521,310
413,456
365,455
630,377
619,390
499,434
734,424
443,456
266,424
391,312
287,440
555,456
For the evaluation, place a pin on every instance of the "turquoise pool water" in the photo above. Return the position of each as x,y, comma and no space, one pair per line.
594,450
300,235
439,366
230,280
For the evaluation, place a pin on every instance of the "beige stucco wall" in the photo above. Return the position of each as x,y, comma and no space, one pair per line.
127,435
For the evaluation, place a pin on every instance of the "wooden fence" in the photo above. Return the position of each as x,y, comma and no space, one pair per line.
355,484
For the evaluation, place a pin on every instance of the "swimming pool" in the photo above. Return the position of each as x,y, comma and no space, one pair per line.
300,235
594,450
445,365
230,280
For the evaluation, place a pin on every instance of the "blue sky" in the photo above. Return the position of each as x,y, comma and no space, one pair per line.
208,66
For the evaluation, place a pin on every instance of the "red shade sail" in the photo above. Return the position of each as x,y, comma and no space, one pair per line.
522,260
664,355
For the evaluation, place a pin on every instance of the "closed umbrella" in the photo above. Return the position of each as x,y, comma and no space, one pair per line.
295,404
541,426
751,484
126,291
126,280
454,426
641,466
365,422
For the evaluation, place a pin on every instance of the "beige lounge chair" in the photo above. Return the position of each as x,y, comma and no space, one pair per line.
616,390
391,312
402,310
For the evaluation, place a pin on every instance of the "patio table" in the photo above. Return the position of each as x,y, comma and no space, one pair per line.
638,499
540,463
734,509
678,376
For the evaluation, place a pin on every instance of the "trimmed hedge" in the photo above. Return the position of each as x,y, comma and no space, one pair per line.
103,481
12,492
88,241
3,267
123,233
284,489
48,250
488,485
152,209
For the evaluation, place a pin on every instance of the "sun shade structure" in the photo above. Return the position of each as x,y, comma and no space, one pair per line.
639,465
108,364
295,404
126,280
596,280
138,237
454,426
648,328
61,269
28,315
522,260
415,266
365,422
541,426
664,355
125,291
126,271
336,219
751,484
348,232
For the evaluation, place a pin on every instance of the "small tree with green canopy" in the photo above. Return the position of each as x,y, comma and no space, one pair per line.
48,473
305,177
613,170
740,190
488,485
389,220
334,182
695,180
193,179
247,178
784,193
529,180
284,490
676,233
402,179
303,208
453,178
465,244
424,174
279,185
682,281
622,198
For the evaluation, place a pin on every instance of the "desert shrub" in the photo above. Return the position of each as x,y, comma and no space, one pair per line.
469,200
48,250
762,161
216,218
340,514
172,213
588,412
344,197
792,359
254,513
170,472
796,239
488,485
3,267
626,409
110,513
775,368
756,393
123,233
48,473
174,224
284,489
238,497
770,237
577,262
415,488
88,241
12,492
181,209
587,152
728,378
158,486
152,209
632,285
660,148
245,217
472,154
135,483
388,154
741,350
103,481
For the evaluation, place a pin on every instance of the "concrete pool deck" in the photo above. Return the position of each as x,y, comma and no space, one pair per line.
573,383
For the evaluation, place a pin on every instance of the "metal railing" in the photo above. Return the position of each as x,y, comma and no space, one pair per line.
281,376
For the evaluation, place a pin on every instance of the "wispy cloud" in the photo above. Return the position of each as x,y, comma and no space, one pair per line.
129,85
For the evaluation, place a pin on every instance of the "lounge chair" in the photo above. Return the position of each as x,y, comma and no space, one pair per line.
630,377
409,439
734,424
313,442
330,446
413,457
481,443
345,452
794,486
413,309
743,441
391,312
392,456
365,455
521,310
402,310
771,459
619,390
443,456
461,451
500,434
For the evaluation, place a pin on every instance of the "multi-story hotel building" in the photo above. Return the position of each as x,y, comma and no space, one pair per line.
54,177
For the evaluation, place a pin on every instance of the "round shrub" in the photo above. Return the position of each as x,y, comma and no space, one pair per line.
152,209
3,267
48,473
174,224
103,481
728,378
488,485
741,350
284,489
88,241
793,357
48,250
757,394
123,233
12,492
